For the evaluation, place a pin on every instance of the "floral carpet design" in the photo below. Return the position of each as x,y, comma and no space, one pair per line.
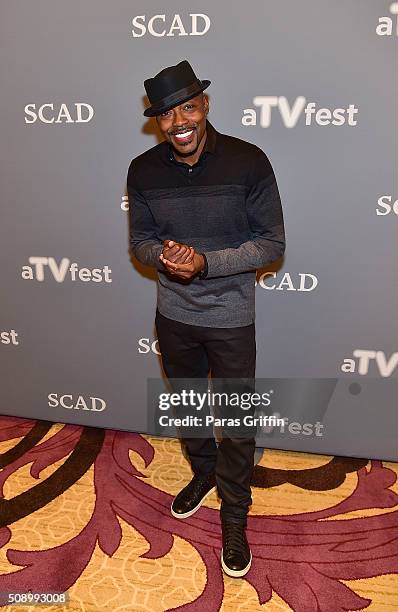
87,511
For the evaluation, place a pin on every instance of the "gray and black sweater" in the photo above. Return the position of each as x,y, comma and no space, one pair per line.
227,206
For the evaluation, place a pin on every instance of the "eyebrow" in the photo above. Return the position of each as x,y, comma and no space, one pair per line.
190,101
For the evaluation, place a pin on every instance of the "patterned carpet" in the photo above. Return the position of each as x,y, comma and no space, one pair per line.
86,511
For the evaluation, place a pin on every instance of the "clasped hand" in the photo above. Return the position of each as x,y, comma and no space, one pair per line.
180,259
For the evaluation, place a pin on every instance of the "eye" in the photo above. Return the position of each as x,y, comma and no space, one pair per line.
188,105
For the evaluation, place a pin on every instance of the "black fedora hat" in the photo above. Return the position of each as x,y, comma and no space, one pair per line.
171,86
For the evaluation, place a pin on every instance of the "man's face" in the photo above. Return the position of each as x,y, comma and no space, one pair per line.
187,119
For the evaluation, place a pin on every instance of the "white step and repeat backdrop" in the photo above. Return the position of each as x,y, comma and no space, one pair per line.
313,83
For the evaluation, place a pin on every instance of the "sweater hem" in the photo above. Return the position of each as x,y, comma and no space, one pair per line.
204,320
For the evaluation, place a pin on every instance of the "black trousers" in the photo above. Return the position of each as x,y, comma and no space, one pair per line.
190,351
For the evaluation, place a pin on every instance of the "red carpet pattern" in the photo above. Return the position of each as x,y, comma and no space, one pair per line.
87,511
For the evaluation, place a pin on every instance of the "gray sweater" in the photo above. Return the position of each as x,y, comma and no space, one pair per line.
226,206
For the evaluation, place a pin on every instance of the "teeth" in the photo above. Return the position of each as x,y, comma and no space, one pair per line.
184,134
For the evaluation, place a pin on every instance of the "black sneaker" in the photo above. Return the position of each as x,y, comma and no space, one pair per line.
191,497
236,556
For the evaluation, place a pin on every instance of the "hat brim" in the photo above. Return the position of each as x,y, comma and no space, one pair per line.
150,112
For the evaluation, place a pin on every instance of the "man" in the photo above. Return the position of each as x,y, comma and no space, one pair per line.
205,211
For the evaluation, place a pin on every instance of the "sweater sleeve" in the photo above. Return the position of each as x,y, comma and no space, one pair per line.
143,240
265,218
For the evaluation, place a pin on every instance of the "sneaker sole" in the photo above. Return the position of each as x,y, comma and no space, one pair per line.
191,512
235,573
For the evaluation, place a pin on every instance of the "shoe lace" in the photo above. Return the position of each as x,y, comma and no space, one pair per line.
198,483
234,536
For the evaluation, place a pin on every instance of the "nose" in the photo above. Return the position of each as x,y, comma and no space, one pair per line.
178,118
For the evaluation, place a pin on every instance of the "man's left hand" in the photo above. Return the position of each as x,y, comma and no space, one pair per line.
185,270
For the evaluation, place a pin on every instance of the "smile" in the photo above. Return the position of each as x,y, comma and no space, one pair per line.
183,136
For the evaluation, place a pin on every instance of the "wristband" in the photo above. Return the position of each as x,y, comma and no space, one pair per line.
203,273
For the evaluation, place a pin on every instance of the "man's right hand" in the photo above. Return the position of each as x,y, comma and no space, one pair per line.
177,252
